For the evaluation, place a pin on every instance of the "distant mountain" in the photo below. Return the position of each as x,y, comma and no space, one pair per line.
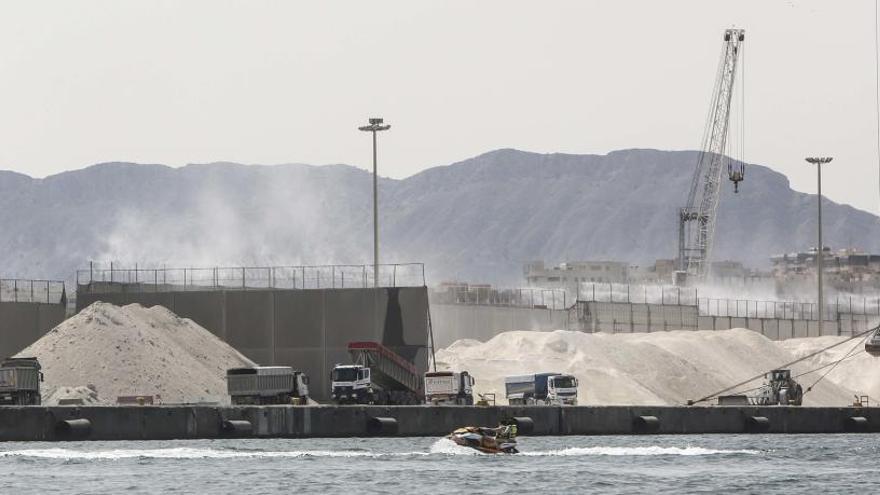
476,220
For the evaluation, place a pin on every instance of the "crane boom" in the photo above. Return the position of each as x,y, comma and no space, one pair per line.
697,219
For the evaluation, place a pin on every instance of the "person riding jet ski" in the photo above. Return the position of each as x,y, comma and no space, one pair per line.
499,440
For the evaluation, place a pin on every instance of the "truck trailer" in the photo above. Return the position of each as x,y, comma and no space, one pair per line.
378,376
541,388
449,387
20,381
267,385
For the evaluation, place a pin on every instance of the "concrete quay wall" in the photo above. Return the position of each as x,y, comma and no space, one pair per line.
36,423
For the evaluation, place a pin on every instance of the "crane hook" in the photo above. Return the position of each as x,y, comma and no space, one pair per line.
736,174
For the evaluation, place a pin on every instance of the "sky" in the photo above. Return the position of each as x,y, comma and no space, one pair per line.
272,82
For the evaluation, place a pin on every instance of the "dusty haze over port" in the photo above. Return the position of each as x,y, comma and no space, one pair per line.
272,82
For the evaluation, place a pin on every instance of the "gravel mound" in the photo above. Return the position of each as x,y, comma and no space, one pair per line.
71,396
662,368
136,351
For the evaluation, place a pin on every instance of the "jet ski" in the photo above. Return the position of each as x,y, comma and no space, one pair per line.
501,440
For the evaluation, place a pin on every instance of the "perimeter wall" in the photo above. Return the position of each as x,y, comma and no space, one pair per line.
305,328
28,309
23,323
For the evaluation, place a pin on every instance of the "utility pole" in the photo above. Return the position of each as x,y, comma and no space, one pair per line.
374,127
820,255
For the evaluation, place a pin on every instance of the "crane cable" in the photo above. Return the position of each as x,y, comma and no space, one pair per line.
834,365
787,365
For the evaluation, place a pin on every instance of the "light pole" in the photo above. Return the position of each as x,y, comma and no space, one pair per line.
374,127
818,161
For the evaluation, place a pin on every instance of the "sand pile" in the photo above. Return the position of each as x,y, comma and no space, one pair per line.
639,369
82,395
132,350
860,372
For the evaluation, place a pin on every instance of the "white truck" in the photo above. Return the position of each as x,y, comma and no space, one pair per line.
267,385
449,387
379,377
541,388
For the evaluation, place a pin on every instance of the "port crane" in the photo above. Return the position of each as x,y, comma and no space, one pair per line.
696,228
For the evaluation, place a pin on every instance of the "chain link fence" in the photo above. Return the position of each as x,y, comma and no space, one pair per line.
32,291
734,308
270,277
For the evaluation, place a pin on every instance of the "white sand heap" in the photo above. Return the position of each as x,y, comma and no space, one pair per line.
136,351
657,368
82,395
859,372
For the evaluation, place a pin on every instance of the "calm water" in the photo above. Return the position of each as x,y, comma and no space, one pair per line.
649,464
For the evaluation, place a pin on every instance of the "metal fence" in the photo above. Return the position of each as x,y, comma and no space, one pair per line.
31,291
788,310
645,294
268,277
734,308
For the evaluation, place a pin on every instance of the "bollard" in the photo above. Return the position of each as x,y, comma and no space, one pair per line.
856,424
236,428
646,424
69,429
381,426
757,424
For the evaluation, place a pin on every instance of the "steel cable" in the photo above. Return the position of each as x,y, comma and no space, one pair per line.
784,366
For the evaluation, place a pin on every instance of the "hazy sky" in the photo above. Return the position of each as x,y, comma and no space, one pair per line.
282,82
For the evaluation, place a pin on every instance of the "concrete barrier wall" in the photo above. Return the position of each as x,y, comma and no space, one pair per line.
21,324
452,322
309,329
26,423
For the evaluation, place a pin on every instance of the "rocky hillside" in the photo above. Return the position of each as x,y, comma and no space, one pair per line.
479,219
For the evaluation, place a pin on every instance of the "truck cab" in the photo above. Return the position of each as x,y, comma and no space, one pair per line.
562,390
351,384
541,388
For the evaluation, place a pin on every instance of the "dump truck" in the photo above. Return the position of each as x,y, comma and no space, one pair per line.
449,387
20,381
541,388
780,389
267,385
378,376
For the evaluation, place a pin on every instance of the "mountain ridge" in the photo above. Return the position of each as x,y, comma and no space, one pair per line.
478,219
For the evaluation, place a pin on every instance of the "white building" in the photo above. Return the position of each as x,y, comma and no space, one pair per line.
570,274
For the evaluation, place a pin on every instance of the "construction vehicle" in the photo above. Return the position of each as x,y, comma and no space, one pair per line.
449,387
20,381
872,346
779,390
378,376
541,388
696,228
267,385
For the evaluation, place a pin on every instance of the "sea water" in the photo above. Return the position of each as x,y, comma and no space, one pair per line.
606,464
